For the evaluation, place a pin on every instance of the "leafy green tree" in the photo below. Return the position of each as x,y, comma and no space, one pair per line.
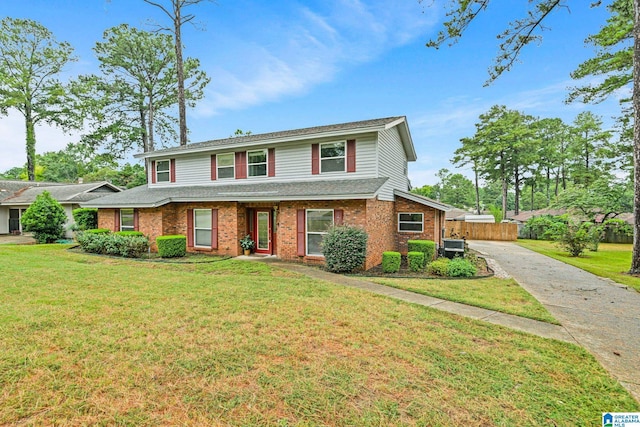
127,176
470,154
132,104
174,10
455,189
45,218
623,27
13,173
585,148
427,191
31,62
606,198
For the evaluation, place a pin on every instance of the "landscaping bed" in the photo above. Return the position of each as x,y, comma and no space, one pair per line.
483,270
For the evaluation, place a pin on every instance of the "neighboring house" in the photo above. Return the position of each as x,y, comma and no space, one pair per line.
17,196
284,189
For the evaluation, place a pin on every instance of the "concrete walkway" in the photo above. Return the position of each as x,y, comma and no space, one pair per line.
603,317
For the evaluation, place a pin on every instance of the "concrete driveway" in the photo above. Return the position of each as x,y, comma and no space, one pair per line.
20,239
603,317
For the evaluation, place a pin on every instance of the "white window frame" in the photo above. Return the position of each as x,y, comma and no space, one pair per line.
307,232
196,228
421,222
132,212
265,163
344,157
168,171
232,167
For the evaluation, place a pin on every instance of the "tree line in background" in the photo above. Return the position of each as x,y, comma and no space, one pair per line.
528,163
129,106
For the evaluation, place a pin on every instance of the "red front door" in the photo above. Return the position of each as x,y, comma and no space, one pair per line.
262,221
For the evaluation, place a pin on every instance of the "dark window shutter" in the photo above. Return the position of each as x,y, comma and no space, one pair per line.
315,159
272,162
241,164
214,228
153,171
351,155
136,220
338,215
300,227
190,228
116,220
172,170
214,168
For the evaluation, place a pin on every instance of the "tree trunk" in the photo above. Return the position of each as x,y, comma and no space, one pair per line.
548,186
504,196
532,195
516,180
150,119
475,170
635,260
31,145
182,112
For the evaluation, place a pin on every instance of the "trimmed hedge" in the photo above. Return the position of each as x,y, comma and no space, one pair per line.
344,248
427,247
439,267
85,218
129,233
391,261
113,244
415,260
97,231
172,246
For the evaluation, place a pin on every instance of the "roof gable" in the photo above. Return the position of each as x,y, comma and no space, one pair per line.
63,193
335,130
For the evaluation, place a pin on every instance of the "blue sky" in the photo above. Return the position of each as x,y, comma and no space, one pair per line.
291,64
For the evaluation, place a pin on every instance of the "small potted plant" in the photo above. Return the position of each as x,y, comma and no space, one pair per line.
247,244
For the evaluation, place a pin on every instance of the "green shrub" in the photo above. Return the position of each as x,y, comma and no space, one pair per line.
97,231
439,267
113,244
85,218
415,260
129,233
427,247
391,261
461,267
344,248
173,246
45,218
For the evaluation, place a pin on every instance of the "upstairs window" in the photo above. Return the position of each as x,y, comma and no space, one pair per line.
163,171
257,163
411,222
127,220
226,165
332,157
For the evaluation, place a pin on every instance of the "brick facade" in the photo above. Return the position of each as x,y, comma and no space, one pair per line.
378,218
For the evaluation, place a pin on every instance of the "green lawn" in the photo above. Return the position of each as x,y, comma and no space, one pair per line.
503,295
87,340
612,260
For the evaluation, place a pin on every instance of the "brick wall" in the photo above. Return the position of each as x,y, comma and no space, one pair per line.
106,219
381,228
431,227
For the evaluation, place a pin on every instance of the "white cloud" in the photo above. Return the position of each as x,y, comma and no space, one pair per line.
310,48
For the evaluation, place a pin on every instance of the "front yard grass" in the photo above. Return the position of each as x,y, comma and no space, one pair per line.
87,340
612,260
503,295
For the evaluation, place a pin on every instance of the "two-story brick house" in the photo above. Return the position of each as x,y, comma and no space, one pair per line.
284,189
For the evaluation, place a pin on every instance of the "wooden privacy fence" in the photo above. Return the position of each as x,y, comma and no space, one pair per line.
481,231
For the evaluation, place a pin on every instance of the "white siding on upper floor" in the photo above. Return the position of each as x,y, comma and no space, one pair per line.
293,162
392,163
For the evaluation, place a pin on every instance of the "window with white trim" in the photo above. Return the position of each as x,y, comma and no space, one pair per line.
127,222
318,222
411,222
163,171
332,157
257,163
202,227
226,165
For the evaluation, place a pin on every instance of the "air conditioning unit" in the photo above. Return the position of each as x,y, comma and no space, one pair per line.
453,247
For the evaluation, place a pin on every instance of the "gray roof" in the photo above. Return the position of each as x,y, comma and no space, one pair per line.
63,193
145,197
8,188
422,200
305,133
